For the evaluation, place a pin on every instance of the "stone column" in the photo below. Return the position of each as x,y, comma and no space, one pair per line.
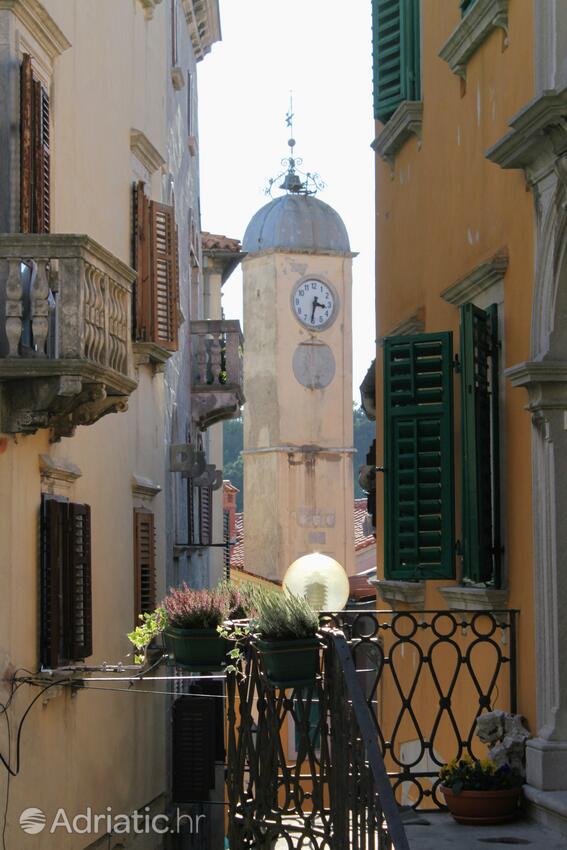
546,383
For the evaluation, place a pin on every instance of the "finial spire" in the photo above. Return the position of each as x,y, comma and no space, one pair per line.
292,181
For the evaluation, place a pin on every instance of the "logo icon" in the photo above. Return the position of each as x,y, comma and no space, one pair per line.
32,821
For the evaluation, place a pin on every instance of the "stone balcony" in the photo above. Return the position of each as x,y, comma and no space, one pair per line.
65,333
217,383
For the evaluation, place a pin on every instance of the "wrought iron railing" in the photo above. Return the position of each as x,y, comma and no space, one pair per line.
303,765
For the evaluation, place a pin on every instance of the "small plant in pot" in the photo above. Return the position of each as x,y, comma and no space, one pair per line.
478,792
285,634
191,631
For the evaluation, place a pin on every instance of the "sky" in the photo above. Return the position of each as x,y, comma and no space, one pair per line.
321,51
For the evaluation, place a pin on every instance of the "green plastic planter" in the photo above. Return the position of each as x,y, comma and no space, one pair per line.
289,663
197,649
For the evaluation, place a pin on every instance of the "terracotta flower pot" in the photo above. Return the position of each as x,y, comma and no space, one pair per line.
483,807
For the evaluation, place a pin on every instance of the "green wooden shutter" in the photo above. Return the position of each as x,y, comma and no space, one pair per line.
418,456
480,438
396,52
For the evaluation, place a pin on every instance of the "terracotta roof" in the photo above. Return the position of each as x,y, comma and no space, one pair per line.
361,540
218,242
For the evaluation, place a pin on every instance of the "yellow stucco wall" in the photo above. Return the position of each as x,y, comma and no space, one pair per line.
441,211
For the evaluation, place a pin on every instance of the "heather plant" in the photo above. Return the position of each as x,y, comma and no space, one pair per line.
186,608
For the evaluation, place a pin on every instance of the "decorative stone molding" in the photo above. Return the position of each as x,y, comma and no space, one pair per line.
476,24
407,592
39,24
414,324
483,277
57,472
150,353
539,128
545,381
177,78
405,122
145,152
460,598
149,8
144,488
203,20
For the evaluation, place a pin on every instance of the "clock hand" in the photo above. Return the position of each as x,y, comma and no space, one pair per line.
313,310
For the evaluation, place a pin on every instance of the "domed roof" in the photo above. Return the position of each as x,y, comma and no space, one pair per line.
296,222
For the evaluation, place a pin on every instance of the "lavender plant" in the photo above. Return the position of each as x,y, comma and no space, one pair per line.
186,608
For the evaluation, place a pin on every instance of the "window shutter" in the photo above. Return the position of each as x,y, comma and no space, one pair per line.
205,515
227,546
78,583
480,437
164,270
144,562
418,454
143,314
193,744
26,144
52,519
42,188
465,5
396,52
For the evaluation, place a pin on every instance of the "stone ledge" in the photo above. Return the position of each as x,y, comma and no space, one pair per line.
57,470
533,129
144,488
152,354
545,381
39,24
144,151
393,592
547,807
481,278
459,598
475,26
405,121
414,324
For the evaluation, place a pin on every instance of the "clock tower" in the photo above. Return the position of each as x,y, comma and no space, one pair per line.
298,430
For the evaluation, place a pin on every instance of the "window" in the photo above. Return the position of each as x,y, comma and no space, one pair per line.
156,262
480,441
65,581
418,452
199,513
144,562
35,188
227,544
396,52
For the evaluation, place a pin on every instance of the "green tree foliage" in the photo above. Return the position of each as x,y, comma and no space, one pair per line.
364,433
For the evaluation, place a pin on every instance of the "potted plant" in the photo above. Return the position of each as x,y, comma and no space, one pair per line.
285,635
478,792
190,633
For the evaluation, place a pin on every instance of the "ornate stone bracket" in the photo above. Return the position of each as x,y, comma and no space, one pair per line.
459,598
393,593
475,26
405,122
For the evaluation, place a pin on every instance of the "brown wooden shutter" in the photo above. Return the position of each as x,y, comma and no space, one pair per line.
42,188
78,626
143,313
52,521
144,562
193,748
191,526
164,270
26,144
205,515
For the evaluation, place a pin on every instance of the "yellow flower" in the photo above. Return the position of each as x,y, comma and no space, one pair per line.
488,766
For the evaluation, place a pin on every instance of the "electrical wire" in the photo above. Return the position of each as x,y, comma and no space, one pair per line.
8,777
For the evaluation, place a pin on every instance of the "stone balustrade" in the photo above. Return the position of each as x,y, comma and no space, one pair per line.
65,331
217,387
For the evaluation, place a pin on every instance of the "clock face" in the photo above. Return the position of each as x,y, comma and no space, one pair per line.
314,304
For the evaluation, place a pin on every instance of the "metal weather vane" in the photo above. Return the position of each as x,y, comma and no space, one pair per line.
295,181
